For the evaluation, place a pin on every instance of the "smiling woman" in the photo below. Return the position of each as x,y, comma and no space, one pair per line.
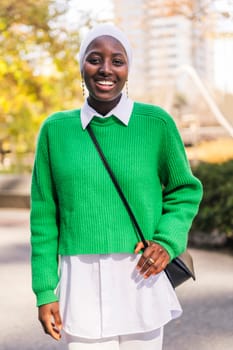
113,294
105,72
105,61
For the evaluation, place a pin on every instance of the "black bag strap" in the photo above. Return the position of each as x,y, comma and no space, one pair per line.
116,184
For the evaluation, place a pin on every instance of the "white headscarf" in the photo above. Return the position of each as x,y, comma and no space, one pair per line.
105,29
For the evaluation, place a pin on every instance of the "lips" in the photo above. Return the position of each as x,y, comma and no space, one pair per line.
105,85
105,82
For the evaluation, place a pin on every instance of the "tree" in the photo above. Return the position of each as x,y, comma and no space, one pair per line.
38,69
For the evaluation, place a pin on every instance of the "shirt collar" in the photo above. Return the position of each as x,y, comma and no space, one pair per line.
122,111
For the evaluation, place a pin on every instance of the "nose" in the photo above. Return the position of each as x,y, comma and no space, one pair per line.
105,68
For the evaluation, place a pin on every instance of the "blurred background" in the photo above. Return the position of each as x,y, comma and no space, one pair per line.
183,54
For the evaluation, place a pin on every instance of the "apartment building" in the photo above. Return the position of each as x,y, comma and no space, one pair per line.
163,39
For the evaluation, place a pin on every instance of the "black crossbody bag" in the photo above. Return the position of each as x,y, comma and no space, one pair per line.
179,269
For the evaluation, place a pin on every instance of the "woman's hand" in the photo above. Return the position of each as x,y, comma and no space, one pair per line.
154,259
49,316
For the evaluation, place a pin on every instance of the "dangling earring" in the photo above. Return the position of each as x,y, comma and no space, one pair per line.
127,88
83,87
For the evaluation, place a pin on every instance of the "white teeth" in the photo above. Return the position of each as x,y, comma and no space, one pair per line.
105,82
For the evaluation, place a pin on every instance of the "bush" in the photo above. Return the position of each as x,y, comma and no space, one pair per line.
216,209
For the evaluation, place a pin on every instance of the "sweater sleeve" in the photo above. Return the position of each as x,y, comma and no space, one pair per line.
182,193
44,228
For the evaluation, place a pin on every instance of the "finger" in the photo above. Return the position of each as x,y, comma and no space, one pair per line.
153,260
154,269
157,261
141,262
149,272
163,259
147,265
56,331
158,266
146,255
139,247
51,330
47,319
159,252
57,319
144,262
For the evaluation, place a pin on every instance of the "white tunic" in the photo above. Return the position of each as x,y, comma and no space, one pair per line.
103,295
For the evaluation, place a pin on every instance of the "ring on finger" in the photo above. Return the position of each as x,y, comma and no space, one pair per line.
150,261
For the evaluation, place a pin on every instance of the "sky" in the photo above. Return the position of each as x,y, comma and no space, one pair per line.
92,4
101,9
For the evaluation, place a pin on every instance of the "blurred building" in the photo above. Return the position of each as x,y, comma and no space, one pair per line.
130,16
169,45
164,37
224,49
203,28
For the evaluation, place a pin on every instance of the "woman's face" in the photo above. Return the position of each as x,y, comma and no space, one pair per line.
105,69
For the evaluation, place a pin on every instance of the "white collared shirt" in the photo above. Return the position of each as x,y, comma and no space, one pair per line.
122,111
103,295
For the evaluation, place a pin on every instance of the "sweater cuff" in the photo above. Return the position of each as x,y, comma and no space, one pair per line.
46,297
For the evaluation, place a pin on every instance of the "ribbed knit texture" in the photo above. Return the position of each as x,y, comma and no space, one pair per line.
75,208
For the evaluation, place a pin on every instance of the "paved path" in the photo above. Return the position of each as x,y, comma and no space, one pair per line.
206,324
15,191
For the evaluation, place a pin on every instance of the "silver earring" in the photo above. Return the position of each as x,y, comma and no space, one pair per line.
127,88
83,87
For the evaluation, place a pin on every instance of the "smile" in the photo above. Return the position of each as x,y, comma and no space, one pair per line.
105,82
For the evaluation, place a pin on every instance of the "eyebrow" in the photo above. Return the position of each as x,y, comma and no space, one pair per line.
100,53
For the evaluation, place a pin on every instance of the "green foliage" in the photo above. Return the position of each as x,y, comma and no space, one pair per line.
216,209
39,73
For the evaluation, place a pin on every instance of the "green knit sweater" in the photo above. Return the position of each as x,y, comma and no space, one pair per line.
75,208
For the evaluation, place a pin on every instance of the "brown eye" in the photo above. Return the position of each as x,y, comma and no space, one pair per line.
93,60
118,62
